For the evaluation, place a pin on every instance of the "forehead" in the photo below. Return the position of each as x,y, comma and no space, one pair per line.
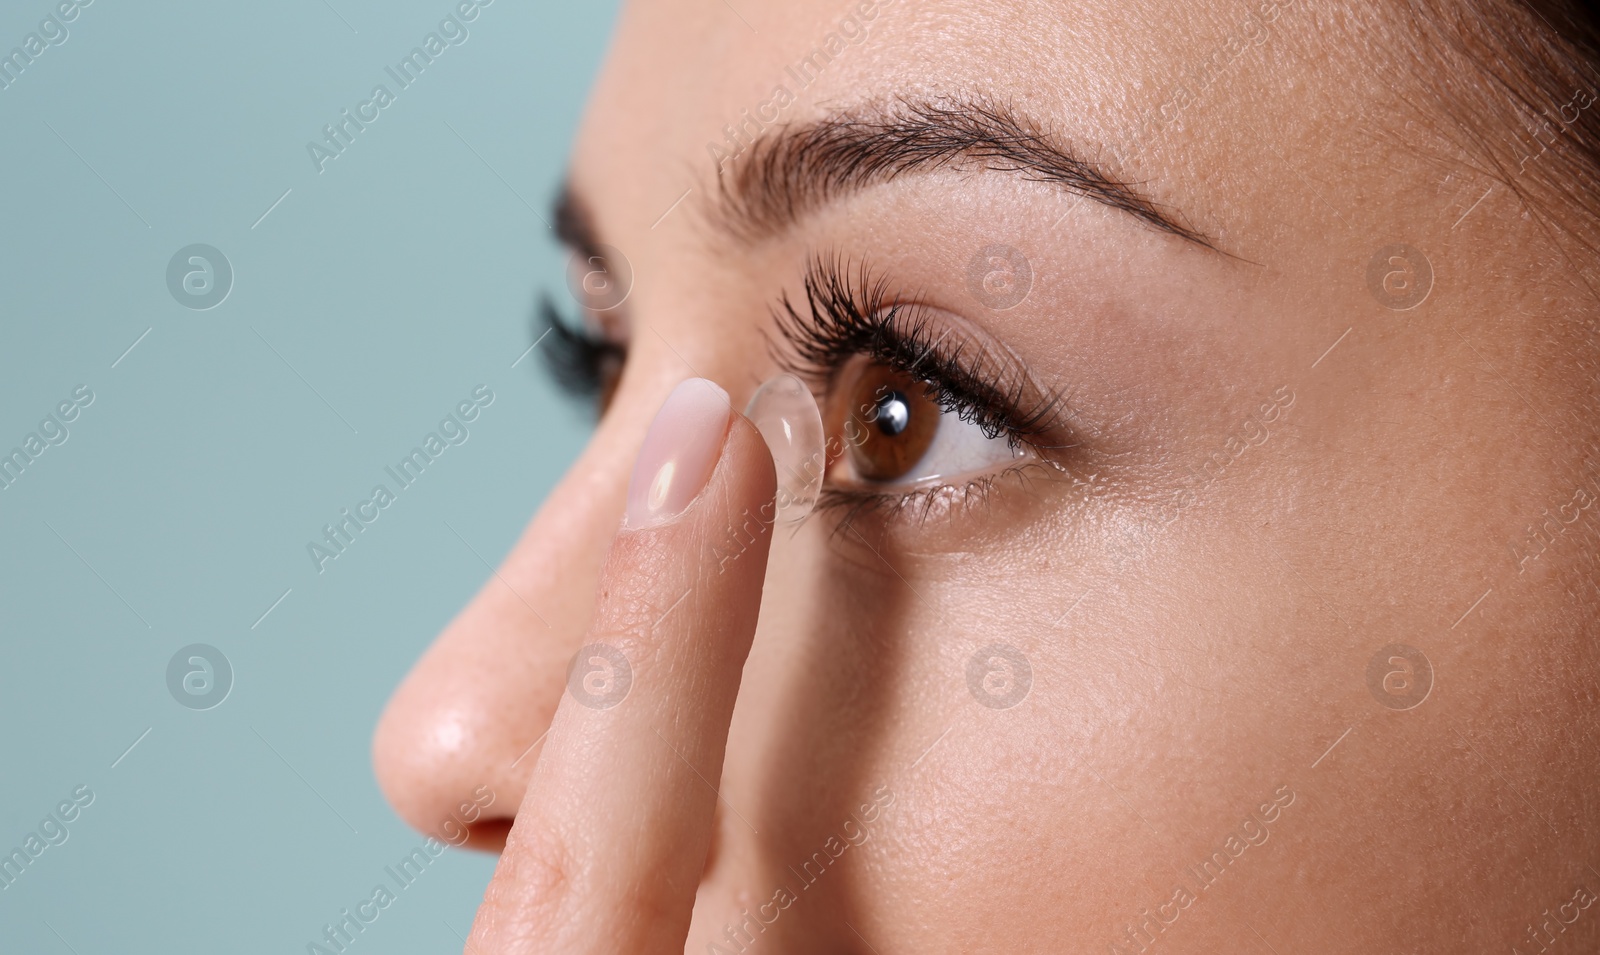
1179,96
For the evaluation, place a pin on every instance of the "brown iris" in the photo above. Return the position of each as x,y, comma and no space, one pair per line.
885,420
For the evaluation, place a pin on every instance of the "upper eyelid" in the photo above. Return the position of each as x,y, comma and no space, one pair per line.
977,384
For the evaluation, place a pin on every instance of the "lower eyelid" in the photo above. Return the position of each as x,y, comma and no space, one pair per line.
935,502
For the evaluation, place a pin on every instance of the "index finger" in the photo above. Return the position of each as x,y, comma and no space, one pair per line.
611,839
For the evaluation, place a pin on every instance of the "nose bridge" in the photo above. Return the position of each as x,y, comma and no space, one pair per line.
464,727
471,713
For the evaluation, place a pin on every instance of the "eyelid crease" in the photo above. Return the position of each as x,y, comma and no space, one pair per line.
848,312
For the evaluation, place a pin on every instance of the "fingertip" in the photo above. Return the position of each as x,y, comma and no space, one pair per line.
698,448
750,464
681,451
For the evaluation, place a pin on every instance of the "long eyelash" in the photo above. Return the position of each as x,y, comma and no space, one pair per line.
848,312
581,360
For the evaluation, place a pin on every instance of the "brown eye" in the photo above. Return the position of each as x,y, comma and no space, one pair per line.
886,421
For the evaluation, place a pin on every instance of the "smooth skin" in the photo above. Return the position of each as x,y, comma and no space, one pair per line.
1349,476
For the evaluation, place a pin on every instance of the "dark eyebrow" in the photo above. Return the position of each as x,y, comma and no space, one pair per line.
782,175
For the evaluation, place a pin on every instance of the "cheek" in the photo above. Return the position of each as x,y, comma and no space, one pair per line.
1082,771
862,679
1016,837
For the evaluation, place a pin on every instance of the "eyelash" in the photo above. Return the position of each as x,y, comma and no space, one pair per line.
842,318
583,361
847,312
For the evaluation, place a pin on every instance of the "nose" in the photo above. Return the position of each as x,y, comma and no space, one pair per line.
459,737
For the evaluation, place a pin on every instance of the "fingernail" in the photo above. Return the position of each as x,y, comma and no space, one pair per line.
679,453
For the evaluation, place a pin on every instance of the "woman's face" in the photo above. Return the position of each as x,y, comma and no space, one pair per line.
1250,611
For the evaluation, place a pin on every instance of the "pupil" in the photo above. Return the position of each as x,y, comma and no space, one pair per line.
894,413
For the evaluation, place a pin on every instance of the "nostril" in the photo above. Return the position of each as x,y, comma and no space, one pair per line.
424,794
488,835
473,824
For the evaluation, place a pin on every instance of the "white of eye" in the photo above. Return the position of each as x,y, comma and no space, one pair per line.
959,448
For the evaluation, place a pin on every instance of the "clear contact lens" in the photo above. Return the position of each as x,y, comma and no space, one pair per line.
786,414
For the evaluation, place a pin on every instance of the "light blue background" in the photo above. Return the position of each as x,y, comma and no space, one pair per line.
392,283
